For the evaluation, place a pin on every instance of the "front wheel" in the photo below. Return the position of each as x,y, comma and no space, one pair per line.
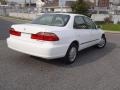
102,42
71,54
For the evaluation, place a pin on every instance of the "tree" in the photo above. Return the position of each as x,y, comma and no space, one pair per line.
44,1
81,7
3,2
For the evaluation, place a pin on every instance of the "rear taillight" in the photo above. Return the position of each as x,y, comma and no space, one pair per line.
45,36
13,32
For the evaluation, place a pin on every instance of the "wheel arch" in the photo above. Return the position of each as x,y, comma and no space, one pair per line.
74,42
103,35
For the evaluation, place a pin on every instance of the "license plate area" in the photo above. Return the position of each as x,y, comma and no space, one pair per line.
26,35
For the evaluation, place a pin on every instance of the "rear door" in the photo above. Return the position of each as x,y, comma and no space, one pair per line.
82,32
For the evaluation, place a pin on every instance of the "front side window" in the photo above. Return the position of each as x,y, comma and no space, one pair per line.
52,20
90,23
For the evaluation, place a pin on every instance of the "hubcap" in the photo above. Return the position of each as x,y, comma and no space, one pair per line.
72,54
102,42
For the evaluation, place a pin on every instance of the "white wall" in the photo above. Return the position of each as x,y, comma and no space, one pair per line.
23,15
64,10
95,17
101,17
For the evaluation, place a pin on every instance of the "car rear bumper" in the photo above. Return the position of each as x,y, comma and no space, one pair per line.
39,50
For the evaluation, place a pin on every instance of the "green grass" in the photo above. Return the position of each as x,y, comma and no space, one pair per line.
111,27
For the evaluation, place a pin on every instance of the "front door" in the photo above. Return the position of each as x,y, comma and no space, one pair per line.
95,33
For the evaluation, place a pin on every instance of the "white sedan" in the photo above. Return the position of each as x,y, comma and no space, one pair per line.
56,35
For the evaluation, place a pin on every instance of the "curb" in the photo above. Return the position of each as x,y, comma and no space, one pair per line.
113,32
12,19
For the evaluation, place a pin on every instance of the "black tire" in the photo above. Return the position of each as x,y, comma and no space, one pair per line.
102,44
67,58
33,56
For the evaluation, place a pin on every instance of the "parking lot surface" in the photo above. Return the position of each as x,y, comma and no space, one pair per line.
95,69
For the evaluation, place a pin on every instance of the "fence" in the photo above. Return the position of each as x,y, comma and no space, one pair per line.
32,12
5,10
23,15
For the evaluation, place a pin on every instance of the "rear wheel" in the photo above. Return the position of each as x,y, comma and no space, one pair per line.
102,43
71,54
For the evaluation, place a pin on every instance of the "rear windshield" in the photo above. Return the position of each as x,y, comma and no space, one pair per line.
52,20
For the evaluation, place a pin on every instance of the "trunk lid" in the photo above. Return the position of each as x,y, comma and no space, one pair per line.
34,28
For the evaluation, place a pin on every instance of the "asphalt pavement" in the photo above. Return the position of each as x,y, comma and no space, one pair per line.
95,69
4,26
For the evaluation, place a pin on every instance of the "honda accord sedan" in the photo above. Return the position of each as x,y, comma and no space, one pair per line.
56,35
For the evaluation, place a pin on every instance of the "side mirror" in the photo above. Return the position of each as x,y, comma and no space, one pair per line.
99,26
92,19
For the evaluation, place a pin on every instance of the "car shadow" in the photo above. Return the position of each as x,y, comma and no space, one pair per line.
85,56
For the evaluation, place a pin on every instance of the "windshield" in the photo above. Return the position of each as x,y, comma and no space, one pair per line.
52,20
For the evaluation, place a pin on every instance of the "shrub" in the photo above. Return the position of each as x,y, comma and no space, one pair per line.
108,19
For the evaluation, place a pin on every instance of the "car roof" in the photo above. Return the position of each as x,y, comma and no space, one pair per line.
71,14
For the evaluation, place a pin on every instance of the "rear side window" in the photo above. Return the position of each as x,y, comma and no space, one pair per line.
79,23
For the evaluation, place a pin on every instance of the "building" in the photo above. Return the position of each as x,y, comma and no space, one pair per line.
57,6
114,6
101,6
103,3
39,4
107,6
60,5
